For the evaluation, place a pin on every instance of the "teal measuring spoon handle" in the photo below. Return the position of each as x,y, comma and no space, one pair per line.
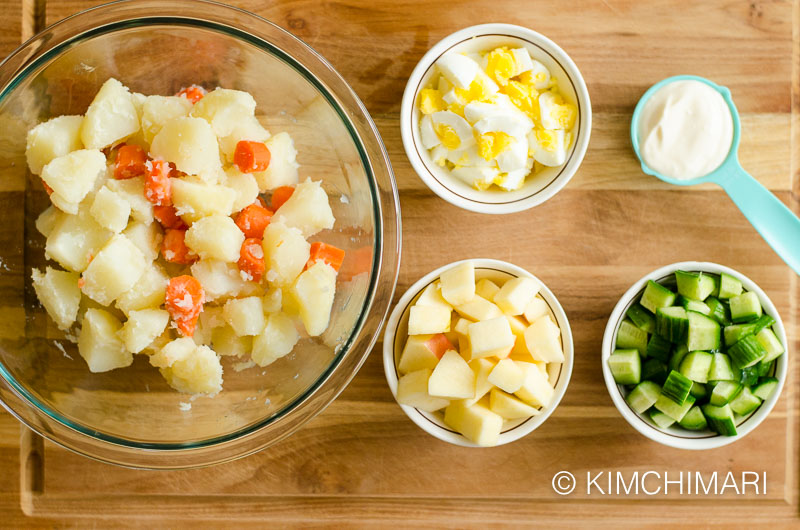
776,223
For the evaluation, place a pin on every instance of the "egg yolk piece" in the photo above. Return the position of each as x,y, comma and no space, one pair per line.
478,91
492,144
501,65
547,139
448,136
430,101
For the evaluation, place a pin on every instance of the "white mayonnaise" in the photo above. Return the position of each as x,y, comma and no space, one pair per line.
685,130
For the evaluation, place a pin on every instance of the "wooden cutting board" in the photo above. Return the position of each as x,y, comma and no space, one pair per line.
362,462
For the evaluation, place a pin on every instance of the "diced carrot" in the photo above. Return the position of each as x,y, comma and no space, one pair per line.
331,255
251,259
439,344
157,186
280,195
253,220
193,93
47,188
251,157
184,301
168,217
130,162
174,247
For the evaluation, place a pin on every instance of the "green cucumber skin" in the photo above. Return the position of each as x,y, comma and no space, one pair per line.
765,388
749,376
729,286
655,371
745,402
641,318
672,323
659,348
655,296
677,387
677,356
747,352
643,396
660,419
719,311
626,367
720,419
694,420
630,336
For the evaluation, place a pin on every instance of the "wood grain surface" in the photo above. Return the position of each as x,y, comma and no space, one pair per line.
362,462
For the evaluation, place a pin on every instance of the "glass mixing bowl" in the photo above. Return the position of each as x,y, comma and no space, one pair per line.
130,416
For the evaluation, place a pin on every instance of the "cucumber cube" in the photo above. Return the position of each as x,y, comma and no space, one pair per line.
747,352
764,368
694,285
721,369
626,367
729,286
720,419
723,392
643,396
629,336
696,366
698,390
656,296
745,402
677,387
660,419
704,332
641,317
766,337
719,311
749,375
677,356
659,348
694,305
672,323
694,420
765,388
745,307
666,405
654,370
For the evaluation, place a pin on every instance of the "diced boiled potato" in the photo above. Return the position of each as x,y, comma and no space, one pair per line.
476,422
515,295
535,389
478,308
491,337
99,344
195,199
509,407
215,237
412,390
417,355
245,315
198,373
507,376
244,186
314,291
142,328
452,378
148,291
59,293
542,340
458,283
75,239
276,341
282,170
286,252
115,270
138,99
225,109
432,296
159,342
52,139
227,343
172,352
47,220
481,368
72,176
307,209
110,210
210,318
428,320
158,110
249,128
218,278
147,238
272,301
132,190
486,288
190,144
535,309
111,116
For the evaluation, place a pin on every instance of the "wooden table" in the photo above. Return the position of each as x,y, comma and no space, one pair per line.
362,462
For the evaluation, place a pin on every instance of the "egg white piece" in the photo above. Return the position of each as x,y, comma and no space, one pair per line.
444,85
461,126
513,179
451,97
515,156
429,137
488,82
478,177
439,154
478,110
512,122
522,60
547,109
541,75
459,69
552,157
468,157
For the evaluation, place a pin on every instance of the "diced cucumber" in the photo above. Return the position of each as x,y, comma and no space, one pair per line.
745,307
694,305
676,387
694,285
703,332
765,388
749,375
723,392
629,336
764,321
672,409
643,396
694,420
678,354
654,370
655,296
660,419
659,348
715,292
721,369
720,419
769,341
698,390
626,367
746,352
729,286
763,369
672,323
696,365
719,311
641,317
745,402
735,332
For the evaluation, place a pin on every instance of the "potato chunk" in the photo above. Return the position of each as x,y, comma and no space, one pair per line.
276,341
248,128
52,139
158,110
72,176
146,237
195,371
286,251
47,220
314,291
227,343
190,144
194,199
245,315
218,278
307,209
111,116
245,187
115,269
148,291
225,109
59,293
110,210
132,190
215,237
282,170
99,344
142,328
75,239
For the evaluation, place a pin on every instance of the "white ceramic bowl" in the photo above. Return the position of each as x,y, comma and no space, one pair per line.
536,189
397,331
675,436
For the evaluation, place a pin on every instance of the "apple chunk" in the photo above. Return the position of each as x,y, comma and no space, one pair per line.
476,422
542,340
507,376
428,320
452,378
510,407
432,296
515,295
458,283
486,288
535,390
412,390
491,337
481,368
478,308
423,351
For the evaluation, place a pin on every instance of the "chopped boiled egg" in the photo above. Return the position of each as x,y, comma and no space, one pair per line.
515,156
538,76
426,130
555,114
512,180
492,144
511,122
458,69
430,101
453,131
549,147
478,177
522,60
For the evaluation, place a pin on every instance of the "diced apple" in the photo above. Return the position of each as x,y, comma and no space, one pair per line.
423,351
462,327
111,116
227,343
518,327
148,291
194,199
132,190
72,176
491,337
458,283
478,309
48,219
218,278
215,237
515,295
307,209
52,139
190,144
452,378
115,269
510,407
286,251
224,109
314,292
147,238
481,368
486,288
75,239
198,373
248,128
244,185
158,110
412,390
245,315
142,328
535,390
432,296
535,309
99,344
282,170
542,340
476,422
59,293
507,376
276,341
110,210
428,320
